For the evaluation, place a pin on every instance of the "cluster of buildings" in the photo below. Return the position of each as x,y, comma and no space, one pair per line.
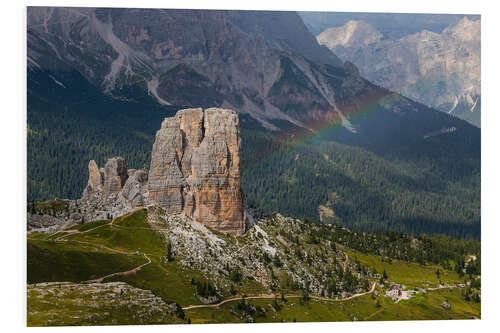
397,293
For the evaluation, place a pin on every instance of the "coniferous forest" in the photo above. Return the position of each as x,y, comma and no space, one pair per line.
321,178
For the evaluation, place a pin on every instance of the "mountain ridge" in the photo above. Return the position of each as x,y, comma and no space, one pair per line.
288,102
441,70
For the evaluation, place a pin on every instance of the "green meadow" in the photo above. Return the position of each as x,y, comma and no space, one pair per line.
410,274
96,249
365,308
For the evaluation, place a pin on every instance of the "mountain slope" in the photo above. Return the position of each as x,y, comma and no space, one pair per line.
190,273
392,25
101,80
442,70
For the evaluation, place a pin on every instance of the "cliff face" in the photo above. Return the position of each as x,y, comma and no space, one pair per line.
441,70
195,168
241,60
113,190
107,180
352,34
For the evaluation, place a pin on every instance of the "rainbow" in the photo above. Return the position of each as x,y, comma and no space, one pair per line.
321,128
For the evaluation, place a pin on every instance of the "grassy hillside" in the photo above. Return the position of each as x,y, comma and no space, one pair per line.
410,274
128,234
365,308
75,262
108,248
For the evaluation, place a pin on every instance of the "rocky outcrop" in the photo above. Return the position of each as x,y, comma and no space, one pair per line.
113,190
115,175
43,223
195,168
107,180
96,177
95,182
134,190
353,33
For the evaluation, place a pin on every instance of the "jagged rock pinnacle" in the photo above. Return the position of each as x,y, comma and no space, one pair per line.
195,168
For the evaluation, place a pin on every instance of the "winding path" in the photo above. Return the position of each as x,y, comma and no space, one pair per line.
74,232
132,271
267,296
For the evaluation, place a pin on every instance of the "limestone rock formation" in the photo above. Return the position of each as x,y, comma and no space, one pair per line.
135,187
96,177
441,70
95,182
113,190
195,168
353,33
115,175
107,180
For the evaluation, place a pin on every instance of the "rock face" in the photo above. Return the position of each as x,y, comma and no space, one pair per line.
441,70
242,60
115,175
107,180
353,33
96,177
195,168
113,190
134,188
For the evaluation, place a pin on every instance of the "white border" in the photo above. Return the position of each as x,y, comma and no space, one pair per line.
13,163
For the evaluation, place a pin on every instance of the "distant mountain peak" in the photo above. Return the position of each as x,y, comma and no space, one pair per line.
441,70
465,30
351,33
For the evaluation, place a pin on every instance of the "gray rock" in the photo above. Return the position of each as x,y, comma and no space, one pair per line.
165,177
446,64
195,168
95,182
76,217
134,189
41,223
115,175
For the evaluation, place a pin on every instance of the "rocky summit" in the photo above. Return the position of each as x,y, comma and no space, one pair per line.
195,171
107,180
195,168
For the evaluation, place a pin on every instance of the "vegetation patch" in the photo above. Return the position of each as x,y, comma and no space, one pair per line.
68,304
168,281
410,274
75,262
88,225
130,234
295,309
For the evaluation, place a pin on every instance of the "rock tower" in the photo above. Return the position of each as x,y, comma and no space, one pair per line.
107,180
195,168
